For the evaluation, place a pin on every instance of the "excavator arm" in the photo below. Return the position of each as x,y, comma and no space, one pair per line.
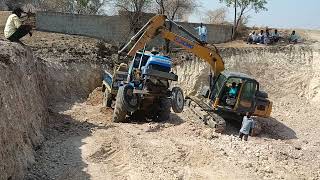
205,110
156,26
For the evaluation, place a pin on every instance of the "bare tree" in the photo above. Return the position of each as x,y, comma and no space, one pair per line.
3,6
175,10
217,16
133,10
11,4
89,6
56,5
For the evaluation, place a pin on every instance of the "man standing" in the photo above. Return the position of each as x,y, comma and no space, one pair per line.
202,31
14,30
246,127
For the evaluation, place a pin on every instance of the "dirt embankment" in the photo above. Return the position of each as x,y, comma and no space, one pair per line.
29,87
23,109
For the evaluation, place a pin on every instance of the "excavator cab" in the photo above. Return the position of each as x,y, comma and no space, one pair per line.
246,98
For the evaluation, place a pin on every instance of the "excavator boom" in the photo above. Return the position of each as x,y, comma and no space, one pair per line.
156,26
215,105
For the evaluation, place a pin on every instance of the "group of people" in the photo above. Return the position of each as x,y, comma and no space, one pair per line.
270,38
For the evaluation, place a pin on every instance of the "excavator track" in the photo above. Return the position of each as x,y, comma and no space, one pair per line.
206,114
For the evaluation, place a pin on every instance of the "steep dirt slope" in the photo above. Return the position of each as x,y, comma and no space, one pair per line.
29,86
23,109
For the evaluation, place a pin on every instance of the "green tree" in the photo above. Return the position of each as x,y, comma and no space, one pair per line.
243,7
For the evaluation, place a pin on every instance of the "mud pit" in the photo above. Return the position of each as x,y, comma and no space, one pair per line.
82,143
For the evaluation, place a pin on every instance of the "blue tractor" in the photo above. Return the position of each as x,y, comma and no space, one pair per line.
142,90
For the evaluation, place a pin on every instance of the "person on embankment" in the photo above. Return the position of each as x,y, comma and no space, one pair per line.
202,32
14,29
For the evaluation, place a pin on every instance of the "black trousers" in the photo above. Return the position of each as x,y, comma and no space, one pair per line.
244,136
21,32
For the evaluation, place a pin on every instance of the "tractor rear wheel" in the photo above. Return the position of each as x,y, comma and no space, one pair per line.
107,99
164,109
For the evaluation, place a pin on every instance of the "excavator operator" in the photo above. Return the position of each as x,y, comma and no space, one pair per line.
233,90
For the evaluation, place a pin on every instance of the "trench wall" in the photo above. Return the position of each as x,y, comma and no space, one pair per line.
23,109
29,86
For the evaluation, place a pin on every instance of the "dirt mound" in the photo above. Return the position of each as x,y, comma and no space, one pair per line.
95,98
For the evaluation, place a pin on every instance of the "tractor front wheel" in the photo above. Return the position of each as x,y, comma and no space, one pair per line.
177,100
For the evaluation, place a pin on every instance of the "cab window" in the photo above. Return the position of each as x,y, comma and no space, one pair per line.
248,91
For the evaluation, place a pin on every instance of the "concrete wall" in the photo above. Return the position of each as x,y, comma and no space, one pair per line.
216,33
3,18
108,28
113,29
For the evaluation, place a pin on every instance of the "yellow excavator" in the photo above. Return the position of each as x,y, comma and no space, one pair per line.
216,103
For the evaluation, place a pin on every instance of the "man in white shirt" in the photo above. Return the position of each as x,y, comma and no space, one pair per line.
202,31
252,38
14,30
246,126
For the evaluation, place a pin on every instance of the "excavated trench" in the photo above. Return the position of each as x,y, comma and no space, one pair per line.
289,74
45,125
30,90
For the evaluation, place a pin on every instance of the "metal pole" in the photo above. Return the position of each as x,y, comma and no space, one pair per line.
186,31
235,19
144,50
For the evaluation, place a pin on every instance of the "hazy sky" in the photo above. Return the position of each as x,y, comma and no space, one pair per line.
281,13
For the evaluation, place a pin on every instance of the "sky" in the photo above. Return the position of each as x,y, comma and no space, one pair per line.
303,14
